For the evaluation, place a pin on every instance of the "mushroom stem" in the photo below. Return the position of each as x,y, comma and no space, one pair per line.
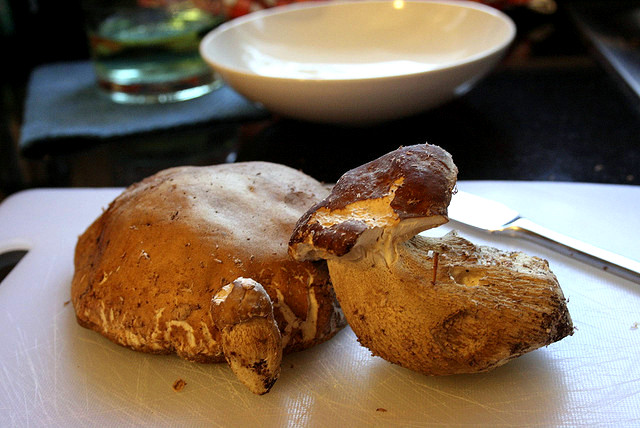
489,307
251,341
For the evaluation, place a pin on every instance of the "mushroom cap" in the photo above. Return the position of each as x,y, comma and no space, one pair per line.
146,269
388,200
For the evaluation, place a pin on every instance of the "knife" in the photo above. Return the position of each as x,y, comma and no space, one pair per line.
499,219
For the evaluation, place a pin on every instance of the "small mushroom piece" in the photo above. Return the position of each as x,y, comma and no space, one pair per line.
251,341
438,306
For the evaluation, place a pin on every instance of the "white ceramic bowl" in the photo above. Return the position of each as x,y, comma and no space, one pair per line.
358,62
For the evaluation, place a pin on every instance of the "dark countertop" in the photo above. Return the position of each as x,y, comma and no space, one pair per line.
550,111
519,124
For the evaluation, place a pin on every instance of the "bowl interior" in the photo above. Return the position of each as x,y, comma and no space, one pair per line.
356,40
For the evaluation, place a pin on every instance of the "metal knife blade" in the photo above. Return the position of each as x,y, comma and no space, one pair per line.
497,218
480,212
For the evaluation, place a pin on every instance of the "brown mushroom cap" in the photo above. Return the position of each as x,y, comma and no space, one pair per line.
388,199
147,268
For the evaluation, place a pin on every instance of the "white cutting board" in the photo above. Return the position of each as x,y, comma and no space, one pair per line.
56,373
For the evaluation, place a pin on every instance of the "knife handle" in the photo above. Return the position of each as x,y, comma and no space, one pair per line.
597,257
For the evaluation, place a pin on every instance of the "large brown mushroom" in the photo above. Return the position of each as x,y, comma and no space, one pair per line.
148,268
438,306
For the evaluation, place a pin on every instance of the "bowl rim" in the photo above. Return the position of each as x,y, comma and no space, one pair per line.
293,7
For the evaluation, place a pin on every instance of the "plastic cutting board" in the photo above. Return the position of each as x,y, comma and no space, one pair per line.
55,373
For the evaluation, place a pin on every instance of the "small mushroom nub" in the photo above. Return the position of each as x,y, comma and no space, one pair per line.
251,341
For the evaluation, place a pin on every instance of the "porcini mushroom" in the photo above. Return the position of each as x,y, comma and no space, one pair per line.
147,269
438,306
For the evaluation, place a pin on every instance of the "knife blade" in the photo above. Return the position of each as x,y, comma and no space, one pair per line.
495,217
